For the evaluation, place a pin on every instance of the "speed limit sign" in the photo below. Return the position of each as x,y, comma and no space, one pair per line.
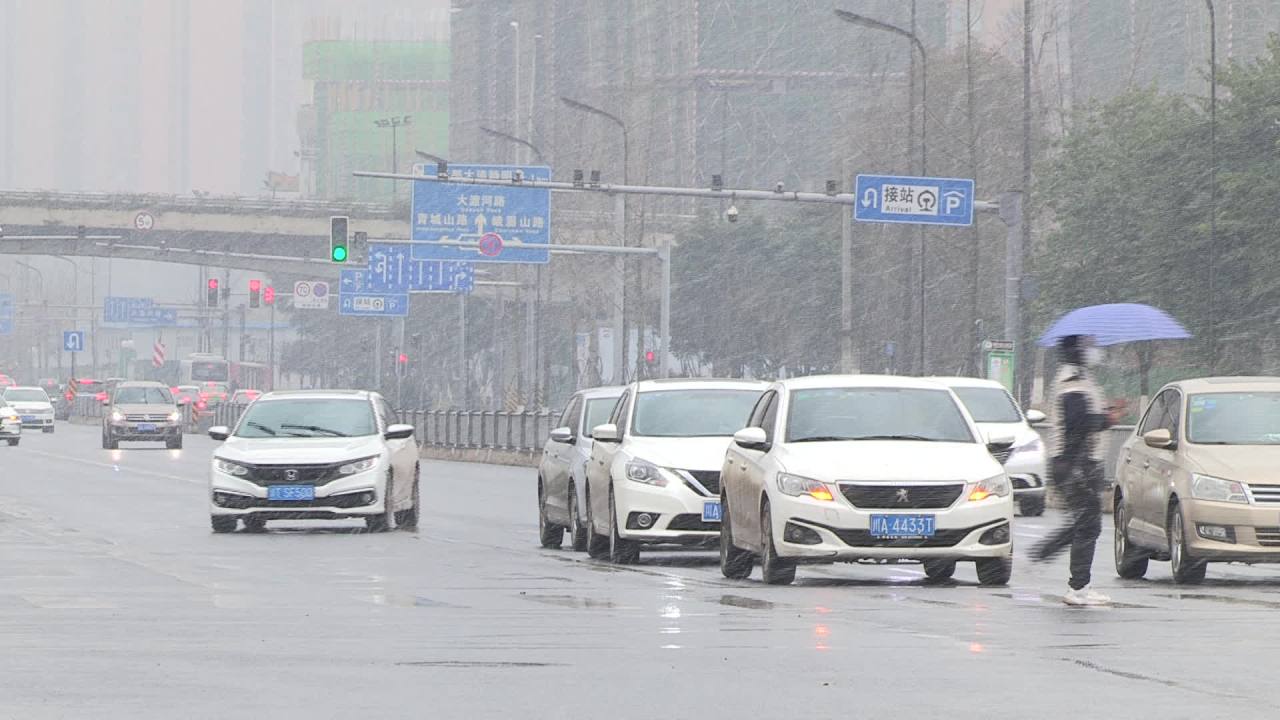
144,221
311,295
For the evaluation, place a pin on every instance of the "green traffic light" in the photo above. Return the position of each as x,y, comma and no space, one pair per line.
339,254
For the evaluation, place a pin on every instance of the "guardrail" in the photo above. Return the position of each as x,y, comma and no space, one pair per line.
480,429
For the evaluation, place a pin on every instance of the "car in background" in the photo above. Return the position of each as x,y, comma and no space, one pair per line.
214,393
1196,482
997,413
10,425
6,382
654,472
141,411
88,387
562,481
315,454
186,395
244,397
863,468
32,404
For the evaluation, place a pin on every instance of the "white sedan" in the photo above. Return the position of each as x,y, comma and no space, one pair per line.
10,425
33,406
864,468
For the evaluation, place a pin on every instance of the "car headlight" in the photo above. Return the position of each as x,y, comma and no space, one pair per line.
1205,487
358,466
117,416
994,486
1035,446
795,486
175,416
230,468
643,471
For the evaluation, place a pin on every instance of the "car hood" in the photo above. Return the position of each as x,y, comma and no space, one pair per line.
144,409
21,405
303,451
1244,463
691,453
888,460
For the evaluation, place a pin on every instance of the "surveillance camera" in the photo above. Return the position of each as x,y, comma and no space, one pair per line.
731,214
778,188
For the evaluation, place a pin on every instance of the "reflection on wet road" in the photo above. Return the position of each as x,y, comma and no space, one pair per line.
117,601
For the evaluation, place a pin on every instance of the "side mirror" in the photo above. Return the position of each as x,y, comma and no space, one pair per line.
606,433
105,403
752,438
398,432
562,435
999,443
1160,438
1035,417
220,432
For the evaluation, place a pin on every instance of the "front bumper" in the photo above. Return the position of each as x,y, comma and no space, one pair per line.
675,510
129,431
1254,531
1027,473
344,498
963,531
10,429
41,419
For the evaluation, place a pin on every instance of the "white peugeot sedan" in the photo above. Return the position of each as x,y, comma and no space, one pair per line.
863,468
33,406
654,472
10,425
997,414
315,455
562,473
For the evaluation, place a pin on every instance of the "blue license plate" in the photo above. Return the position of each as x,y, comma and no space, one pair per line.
146,427
291,493
28,418
711,511
903,526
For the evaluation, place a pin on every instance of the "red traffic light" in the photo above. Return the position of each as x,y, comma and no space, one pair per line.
404,359
649,356
269,295
213,283
255,285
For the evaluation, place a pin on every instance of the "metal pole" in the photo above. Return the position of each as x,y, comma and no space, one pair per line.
1024,237
271,348
515,84
664,312
93,315
401,368
1011,214
377,355
1213,186
619,374
226,313
847,362
463,370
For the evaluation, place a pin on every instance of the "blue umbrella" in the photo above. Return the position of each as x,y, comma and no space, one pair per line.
1116,323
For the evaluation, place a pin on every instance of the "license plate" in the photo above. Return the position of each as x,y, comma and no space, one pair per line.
903,526
146,427
28,418
291,493
711,511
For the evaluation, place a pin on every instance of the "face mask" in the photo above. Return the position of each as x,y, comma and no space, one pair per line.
1093,356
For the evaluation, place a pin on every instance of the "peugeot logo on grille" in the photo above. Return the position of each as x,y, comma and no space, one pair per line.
903,496
292,475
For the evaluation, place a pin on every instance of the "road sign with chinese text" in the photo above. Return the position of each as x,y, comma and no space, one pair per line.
919,200
520,217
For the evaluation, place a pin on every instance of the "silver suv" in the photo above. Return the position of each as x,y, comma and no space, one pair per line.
141,411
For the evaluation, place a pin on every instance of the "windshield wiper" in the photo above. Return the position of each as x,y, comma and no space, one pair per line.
314,429
895,437
263,428
824,438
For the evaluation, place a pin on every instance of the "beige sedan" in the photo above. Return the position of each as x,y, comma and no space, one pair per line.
1199,480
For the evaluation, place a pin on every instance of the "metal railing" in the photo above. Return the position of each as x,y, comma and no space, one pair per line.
480,429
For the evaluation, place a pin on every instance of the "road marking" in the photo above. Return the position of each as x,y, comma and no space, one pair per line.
117,467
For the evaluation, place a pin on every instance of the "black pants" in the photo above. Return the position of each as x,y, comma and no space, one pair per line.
1079,480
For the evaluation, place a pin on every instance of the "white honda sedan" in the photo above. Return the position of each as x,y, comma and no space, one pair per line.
864,468
311,455
654,472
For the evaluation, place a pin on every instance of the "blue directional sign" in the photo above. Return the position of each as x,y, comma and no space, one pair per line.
392,269
511,224
73,340
920,200
6,314
137,311
373,304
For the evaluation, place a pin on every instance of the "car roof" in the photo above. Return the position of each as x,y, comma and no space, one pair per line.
24,387
1228,384
605,391
142,384
645,386
967,382
316,394
855,381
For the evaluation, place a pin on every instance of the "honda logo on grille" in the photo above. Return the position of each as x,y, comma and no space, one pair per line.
290,475
902,495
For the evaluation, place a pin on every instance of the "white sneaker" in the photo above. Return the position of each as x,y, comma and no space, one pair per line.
1085,596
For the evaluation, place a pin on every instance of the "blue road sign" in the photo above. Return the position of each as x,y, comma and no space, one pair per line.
920,200
6,314
504,219
373,304
73,340
393,270
137,311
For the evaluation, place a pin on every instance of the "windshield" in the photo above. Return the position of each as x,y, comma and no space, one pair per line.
143,396
1243,418
208,370
89,386
692,413
309,417
874,414
598,412
988,405
25,395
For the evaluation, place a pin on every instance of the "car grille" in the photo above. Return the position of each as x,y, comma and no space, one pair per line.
346,501
265,475
1265,493
147,417
692,522
1002,455
709,479
941,538
1268,536
901,497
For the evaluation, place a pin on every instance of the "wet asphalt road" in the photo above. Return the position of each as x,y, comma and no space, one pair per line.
117,602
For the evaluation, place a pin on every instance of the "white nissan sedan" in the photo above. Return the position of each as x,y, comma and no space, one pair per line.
311,455
654,472
864,468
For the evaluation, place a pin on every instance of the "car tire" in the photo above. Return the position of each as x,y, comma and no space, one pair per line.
385,520
223,523
550,535
109,442
939,570
255,524
13,442
1131,563
577,531
408,519
174,443
735,563
48,430
621,550
1031,506
1186,569
597,544
774,569
994,571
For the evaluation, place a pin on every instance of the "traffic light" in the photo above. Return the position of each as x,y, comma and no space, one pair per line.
360,248
649,356
269,295
338,239
255,293
212,299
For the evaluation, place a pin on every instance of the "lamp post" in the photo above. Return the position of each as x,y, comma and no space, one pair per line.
518,141
395,122
1213,184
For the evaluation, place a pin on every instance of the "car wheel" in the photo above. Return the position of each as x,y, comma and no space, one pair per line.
48,429
255,524
621,551
735,563
1186,569
386,520
994,571
1131,564
13,442
223,523
408,519
577,531
549,534
939,570
174,443
776,570
597,544
1031,506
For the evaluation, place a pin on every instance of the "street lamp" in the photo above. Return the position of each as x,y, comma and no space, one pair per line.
1213,183
518,141
394,122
